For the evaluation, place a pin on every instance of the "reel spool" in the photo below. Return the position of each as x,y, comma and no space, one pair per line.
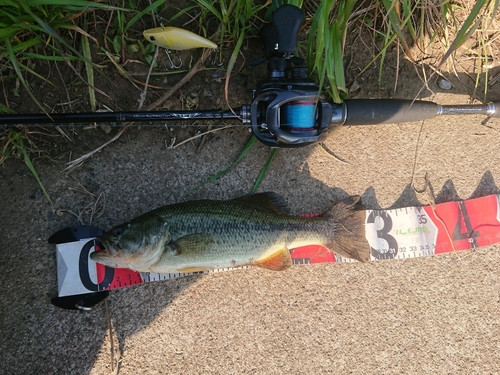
299,115
289,118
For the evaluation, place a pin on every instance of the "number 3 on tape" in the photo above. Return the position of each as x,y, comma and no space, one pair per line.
419,231
400,233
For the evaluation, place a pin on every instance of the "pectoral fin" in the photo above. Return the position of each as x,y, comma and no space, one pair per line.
277,261
192,243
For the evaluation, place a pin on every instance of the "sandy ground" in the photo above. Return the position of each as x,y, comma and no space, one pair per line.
431,315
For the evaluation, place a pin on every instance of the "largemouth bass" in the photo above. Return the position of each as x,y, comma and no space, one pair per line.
253,230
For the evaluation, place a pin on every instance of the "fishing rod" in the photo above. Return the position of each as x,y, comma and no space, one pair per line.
287,109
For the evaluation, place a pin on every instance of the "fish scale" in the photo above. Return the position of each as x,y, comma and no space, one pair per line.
232,229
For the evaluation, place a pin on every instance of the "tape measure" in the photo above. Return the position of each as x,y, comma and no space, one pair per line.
391,234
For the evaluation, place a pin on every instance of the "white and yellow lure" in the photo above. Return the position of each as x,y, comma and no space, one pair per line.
176,38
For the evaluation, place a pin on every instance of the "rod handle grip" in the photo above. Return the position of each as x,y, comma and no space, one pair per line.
388,111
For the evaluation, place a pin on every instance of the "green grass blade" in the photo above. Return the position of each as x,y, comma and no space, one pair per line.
5,109
408,13
338,65
17,141
231,63
11,3
210,7
148,9
50,31
17,69
383,53
25,45
311,44
182,12
394,22
467,29
8,149
89,69
73,4
29,55
245,151
297,3
263,171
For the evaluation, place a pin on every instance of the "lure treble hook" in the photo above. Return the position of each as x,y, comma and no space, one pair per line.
172,65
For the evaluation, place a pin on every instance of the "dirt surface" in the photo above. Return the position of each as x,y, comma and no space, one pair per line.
436,314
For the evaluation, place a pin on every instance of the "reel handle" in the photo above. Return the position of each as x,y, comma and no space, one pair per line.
287,20
280,37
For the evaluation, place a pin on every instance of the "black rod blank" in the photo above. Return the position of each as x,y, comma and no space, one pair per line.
118,117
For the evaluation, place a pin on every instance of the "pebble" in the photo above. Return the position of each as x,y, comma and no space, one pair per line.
105,128
444,84
354,87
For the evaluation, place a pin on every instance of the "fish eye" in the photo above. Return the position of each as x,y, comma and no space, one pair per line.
117,231
152,38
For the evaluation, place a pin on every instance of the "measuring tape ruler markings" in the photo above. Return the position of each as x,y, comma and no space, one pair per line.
401,233
421,231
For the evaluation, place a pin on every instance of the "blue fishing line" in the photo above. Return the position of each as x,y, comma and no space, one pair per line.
298,115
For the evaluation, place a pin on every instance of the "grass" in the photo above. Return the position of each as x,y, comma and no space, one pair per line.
15,145
34,32
37,30
237,19
404,22
43,30
244,153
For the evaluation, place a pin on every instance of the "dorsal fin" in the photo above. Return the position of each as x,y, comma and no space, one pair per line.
267,201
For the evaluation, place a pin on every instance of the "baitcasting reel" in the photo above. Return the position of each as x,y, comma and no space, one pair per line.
286,110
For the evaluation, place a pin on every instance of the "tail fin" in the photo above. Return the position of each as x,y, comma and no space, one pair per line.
349,239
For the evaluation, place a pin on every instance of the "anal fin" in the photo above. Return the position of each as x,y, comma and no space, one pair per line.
277,261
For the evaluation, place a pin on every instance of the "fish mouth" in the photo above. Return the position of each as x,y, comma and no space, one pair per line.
111,246
108,259
109,250
99,255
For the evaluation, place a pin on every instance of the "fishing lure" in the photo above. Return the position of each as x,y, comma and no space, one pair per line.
176,38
